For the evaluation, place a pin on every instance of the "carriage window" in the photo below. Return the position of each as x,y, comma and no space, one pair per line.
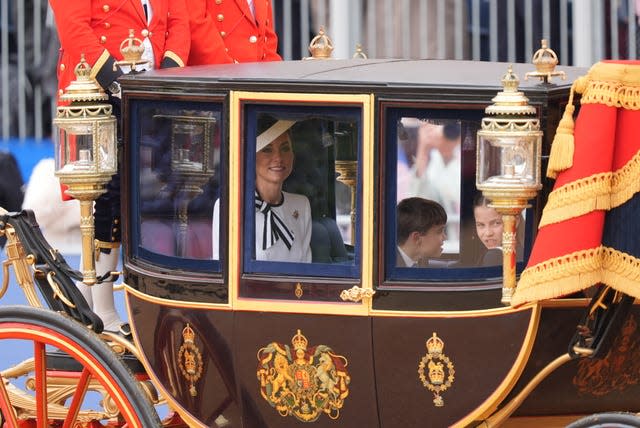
178,152
442,223
301,182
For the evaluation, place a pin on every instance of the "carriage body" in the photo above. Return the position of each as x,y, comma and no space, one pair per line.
243,320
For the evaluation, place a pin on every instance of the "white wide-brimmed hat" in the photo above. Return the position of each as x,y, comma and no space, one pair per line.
273,132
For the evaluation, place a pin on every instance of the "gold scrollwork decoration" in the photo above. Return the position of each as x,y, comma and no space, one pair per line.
190,359
303,381
298,291
436,370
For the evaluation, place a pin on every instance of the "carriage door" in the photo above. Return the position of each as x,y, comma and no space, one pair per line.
300,238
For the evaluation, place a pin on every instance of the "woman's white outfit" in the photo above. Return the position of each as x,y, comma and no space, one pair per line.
295,213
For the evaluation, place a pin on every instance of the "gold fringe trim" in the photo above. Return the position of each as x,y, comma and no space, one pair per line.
577,271
614,85
602,191
577,198
624,182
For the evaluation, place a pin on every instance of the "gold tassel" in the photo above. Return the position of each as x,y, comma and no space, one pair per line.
561,156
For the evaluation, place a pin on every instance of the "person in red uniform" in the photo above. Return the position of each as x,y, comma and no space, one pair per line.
228,31
96,29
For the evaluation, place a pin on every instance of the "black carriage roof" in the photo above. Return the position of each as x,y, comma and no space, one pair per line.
351,75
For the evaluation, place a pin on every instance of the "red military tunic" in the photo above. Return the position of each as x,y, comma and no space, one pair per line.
96,28
225,31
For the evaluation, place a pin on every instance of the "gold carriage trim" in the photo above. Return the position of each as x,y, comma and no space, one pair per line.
602,191
435,369
578,271
303,381
190,359
610,84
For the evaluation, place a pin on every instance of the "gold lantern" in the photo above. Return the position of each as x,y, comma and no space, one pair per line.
85,152
508,165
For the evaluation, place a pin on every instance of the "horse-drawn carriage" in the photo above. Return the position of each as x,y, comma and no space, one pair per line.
351,338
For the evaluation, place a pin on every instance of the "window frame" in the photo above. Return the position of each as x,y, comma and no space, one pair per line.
300,280
136,104
451,278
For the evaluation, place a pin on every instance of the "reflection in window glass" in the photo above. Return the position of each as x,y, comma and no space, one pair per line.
429,167
179,152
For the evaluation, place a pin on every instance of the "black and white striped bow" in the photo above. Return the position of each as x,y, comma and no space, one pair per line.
274,227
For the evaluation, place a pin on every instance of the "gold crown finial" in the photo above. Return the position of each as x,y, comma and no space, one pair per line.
188,335
545,60
510,100
435,345
132,50
510,80
359,53
84,87
299,341
321,46
83,69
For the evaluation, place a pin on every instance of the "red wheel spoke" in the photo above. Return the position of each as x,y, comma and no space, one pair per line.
78,396
67,361
39,353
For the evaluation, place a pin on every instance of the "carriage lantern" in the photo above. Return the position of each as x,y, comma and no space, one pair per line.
85,152
508,165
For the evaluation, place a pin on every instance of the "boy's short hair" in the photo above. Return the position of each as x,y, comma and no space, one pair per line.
417,215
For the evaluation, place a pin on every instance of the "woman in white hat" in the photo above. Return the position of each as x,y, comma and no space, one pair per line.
282,219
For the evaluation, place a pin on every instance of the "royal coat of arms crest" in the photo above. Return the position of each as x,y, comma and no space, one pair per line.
303,381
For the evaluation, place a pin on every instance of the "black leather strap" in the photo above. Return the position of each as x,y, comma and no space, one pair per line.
48,261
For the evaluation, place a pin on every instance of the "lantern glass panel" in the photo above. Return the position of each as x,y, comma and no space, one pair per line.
74,151
106,147
507,160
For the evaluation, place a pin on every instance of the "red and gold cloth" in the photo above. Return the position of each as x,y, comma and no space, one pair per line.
589,232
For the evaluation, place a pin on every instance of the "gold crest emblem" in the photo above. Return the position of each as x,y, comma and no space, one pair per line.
190,359
303,381
436,370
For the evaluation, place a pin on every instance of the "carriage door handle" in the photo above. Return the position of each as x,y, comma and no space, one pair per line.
356,294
